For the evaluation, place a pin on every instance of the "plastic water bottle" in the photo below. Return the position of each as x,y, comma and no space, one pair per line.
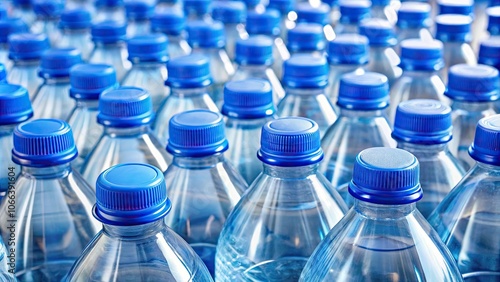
362,124
25,51
284,7
347,53
48,13
254,58
52,99
307,38
197,10
74,27
131,204
6,273
109,40
383,57
172,24
209,40
87,5
351,15
148,55
414,21
109,10
286,212
384,237
126,114
52,203
23,9
202,185
473,91
15,108
385,10
169,5
467,219
480,23
305,78
232,14
424,128
421,62
248,106
138,15
7,27
493,26
88,82
317,13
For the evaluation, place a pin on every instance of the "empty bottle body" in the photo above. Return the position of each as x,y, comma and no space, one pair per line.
52,99
25,73
111,54
138,28
233,33
455,53
48,27
115,13
280,55
384,60
177,47
10,170
336,72
264,72
79,39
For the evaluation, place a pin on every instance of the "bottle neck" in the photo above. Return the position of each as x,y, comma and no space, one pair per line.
135,231
358,113
109,45
87,103
126,132
56,80
77,31
27,63
290,172
186,92
56,171
210,51
253,68
147,65
488,168
383,212
424,74
472,106
305,91
423,149
198,163
7,130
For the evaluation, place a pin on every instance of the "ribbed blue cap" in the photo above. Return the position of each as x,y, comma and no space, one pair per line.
57,62
108,3
203,35
283,6
256,50
422,122
363,92
414,15
43,143
420,55
89,81
290,142
27,46
353,12
248,99
109,32
265,23
486,145
196,133
197,7
306,37
453,28
458,7
489,52
229,12
386,176
11,26
168,21
473,83
379,32
305,71
48,8
139,10
125,107
348,49
131,194
75,19
148,48
493,20
15,105
312,14
376,3
191,71
3,74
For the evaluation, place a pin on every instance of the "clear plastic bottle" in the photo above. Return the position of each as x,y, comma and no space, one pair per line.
232,14
23,9
202,185
307,38
148,55
248,106
467,219
424,128
352,13
134,243
48,13
197,10
362,124
414,21
284,7
110,49
138,15
305,78
52,99
109,10
52,213
383,237
87,5
473,91
75,31
88,82
126,114
385,10
7,27
172,23
6,267
480,23
286,212
169,5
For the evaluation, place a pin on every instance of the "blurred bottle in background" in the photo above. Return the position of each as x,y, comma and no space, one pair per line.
74,27
172,23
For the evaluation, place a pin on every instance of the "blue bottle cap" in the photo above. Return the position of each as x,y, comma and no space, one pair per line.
15,105
125,107
109,32
489,52
3,12
306,37
22,3
43,143
196,134
138,10
486,145
353,12
453,28
131,194
251,4
148,48
75,19
89,81
191,71
473,83
493,20
11,26
290,142
256,50
377,3
229,12
379,32
414,15
48,8
386,176
197,7
348,49
420,55
422,122
263,23
283,6
248,99
305,71
203,35
308,13
108,3
58,62
27,46
363,92
458,7
168,21
3,74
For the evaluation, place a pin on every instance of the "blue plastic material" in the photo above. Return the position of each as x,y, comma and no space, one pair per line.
263,23
109,32
248,99
11,26
75,19
139,10
283,6
305,71
201,34
457,7
148,48
419,55
26,46
58,62
350,49
306,37
379,32
414,15
486,143
109,3
453,28
489,52
15,105
88,81
256,50
3,74
353,12
48,8
170,22
369,91
190,71
473,83
308,13
197,7
493,20
229,12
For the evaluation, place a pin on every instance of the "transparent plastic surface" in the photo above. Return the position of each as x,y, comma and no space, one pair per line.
25,73
9,168
455,53
280,55
109,14
264,72
344,28
80,4
6,273
52,100
25,13
48,27
387,13
4,56
114,55
233,33
413,33
138,28
177,47
79,39
336,72
385,60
